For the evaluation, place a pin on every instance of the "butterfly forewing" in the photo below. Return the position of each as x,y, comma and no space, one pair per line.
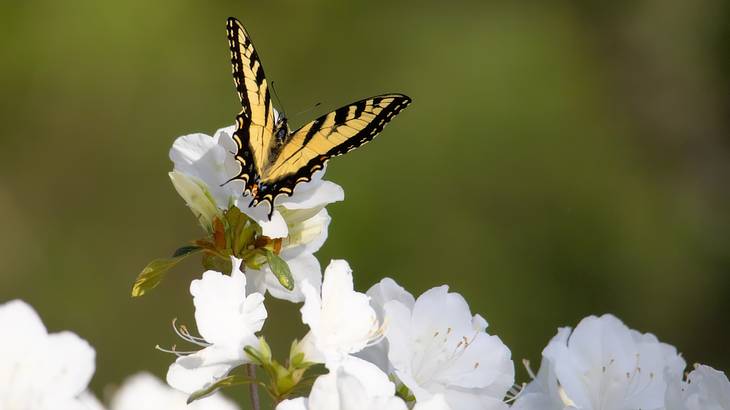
336,133
255,123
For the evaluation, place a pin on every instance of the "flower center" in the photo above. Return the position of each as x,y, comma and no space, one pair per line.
617,385
439,352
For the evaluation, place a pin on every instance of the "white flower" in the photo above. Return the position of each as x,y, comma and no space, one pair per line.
436,346
341,320
209,163
206,163
227,319
203,167
602,365
354,385
705,389
144,391
38,370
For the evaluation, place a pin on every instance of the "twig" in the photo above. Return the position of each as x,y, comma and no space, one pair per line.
253,388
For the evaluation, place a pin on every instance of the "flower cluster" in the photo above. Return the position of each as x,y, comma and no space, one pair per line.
381,349
386,347
51,371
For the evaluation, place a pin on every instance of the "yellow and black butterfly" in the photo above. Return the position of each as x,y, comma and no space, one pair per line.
274,159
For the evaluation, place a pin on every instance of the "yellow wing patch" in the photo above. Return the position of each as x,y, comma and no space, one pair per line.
255,122
335,133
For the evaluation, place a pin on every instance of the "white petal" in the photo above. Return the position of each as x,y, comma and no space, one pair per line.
25,323
201,369
437,310
224,138
144,391
473,400
377,354
375,382
38,370
223,312
196,196
341,320
311,315
68,365
712,384
89,401
399,334
387,290
318,195
705,389
307,231
381,293
300,403
189,149
356,385
437,402
199,156
74,403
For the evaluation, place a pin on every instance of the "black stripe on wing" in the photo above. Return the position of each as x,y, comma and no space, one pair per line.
239,40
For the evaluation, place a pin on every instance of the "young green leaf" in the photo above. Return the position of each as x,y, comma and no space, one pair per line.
280,269
184,250
232,380
155,271
216,263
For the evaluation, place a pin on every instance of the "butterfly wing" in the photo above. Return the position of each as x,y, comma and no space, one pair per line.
255,122
332,134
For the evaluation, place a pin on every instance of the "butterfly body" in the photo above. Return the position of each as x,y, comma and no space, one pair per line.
273,158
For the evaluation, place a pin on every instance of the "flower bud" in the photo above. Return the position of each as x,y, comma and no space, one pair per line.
198,199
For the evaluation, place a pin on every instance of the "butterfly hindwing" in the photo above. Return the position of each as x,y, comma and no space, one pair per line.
332,134
255,122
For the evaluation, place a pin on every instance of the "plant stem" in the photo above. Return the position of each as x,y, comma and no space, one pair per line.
253,388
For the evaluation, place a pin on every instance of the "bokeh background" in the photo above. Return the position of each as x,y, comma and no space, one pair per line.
560,159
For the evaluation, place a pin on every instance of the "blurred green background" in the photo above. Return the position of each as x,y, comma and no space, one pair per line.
560,159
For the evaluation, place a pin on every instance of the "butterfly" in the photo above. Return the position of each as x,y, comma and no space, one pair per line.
273,158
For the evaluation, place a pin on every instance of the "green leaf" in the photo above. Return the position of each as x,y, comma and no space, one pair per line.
232,380
155,271
280,269
405,394
240,230
184,250
216,263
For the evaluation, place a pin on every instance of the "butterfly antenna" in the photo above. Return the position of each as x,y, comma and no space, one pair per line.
278,101
308,109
